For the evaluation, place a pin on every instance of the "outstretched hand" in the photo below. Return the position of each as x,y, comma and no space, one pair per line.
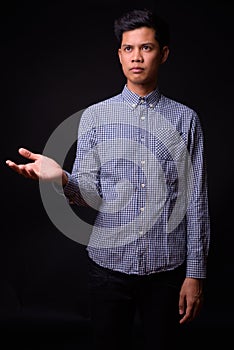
40,167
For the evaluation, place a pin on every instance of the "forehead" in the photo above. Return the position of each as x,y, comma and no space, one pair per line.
138,36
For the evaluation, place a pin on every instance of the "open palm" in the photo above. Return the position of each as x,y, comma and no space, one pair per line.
40,168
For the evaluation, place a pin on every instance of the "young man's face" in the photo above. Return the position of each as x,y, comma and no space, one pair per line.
140,57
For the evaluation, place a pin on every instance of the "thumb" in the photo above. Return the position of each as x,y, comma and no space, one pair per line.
28,154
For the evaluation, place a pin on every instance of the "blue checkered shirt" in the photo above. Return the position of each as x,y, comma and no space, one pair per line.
140,164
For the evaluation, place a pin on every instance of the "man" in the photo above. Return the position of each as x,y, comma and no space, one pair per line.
140,163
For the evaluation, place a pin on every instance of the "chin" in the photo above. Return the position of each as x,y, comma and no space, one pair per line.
138,82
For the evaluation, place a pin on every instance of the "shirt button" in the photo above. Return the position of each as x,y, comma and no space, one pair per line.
141,232
142,162
142,209
143,185
133,105
142,118
151,105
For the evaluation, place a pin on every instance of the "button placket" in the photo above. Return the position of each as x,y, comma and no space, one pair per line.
142,120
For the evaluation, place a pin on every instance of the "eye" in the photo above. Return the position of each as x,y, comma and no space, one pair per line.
146,47
127,48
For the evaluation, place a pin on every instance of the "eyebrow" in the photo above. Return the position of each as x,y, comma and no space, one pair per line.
147,43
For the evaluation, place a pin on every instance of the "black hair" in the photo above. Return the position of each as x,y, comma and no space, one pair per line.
134,19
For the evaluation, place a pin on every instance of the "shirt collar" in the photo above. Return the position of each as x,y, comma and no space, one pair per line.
134,100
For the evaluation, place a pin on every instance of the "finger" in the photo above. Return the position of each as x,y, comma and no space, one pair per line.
181,305
196,310
28,154
10,163
187,316
27,172
13,166
185,319
32,174
22,170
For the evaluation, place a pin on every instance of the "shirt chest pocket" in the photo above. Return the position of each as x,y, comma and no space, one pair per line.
170,151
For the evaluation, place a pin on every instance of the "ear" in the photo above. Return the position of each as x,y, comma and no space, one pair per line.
120,55
164,54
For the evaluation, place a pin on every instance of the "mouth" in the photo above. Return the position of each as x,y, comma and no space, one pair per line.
136,69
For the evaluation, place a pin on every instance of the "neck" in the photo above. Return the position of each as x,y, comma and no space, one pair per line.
141,90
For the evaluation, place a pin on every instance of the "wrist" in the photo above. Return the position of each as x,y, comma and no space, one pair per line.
64,179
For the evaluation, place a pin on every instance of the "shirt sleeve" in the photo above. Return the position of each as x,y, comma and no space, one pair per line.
83,186
197,216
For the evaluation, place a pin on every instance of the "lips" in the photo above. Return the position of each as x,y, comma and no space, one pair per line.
136,69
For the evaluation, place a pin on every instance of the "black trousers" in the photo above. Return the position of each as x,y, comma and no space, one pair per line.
115,298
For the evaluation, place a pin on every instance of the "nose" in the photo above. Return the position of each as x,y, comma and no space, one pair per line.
137,60
137,57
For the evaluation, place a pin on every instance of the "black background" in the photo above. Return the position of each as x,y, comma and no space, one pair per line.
59,57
